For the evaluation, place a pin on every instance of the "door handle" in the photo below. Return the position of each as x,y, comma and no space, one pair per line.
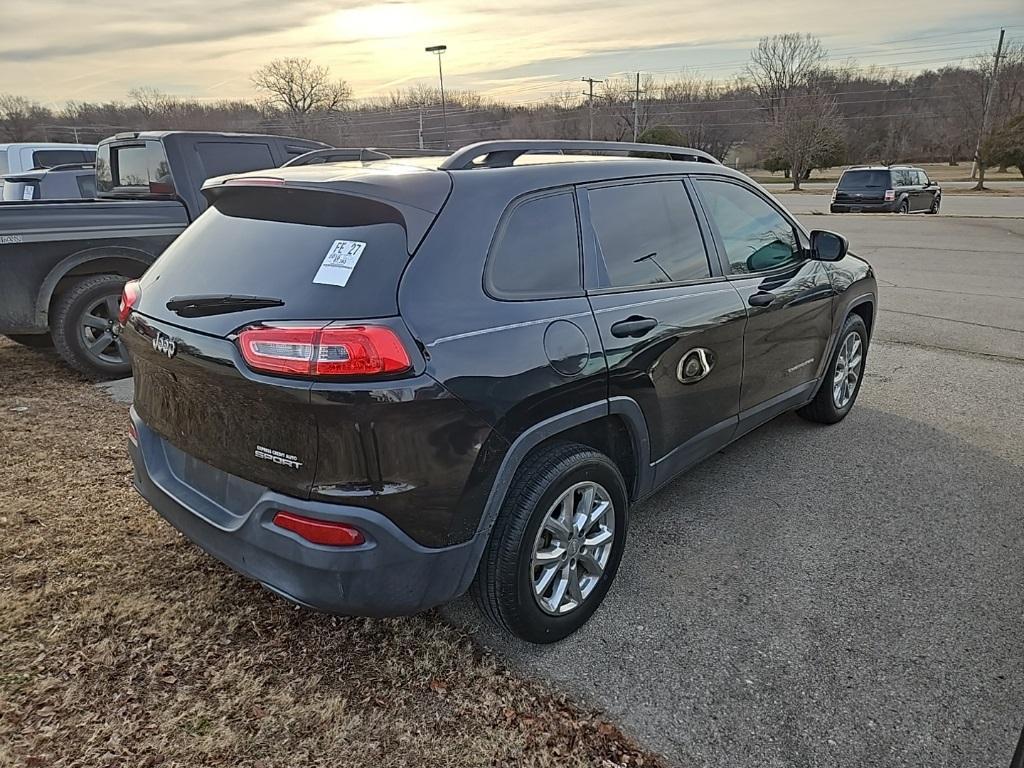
761,299
633,327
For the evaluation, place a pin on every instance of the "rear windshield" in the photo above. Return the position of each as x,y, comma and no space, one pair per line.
864,180
48,158
327,256
141,168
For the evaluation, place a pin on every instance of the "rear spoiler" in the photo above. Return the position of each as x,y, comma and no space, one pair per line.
354,203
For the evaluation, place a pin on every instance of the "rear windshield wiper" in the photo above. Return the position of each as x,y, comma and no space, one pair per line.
203,306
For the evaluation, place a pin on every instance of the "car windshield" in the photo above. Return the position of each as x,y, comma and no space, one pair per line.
864,180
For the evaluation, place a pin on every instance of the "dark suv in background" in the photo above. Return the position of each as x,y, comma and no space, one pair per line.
886,189
371,385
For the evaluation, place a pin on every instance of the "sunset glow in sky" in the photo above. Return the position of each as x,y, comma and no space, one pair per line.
93,50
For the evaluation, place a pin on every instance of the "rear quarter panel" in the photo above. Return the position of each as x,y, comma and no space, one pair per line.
490,353
41,242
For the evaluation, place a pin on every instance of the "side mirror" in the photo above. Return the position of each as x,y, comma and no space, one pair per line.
828,246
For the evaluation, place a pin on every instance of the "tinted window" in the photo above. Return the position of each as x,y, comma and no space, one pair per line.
5,166
87,185
48,158
538,252
648,233
220,157
143,166
756,236
864,180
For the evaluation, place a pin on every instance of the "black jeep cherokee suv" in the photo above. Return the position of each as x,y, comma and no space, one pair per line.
373,385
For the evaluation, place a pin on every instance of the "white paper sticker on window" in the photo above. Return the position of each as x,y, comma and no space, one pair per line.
27,193
339,262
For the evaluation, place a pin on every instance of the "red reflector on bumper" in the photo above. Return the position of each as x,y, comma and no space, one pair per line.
133,434
319,531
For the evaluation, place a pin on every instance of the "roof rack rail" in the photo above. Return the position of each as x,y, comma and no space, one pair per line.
362,154
501,154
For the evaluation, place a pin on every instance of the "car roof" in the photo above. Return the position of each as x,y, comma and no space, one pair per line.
46,145
420,182
882,168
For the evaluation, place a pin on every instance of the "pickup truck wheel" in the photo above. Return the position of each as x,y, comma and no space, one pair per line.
84,327
843,376
34,340
556,544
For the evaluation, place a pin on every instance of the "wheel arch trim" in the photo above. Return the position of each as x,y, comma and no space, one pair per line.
61,270
625,407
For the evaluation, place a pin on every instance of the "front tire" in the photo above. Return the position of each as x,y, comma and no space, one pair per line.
84,327
556,545
843,376
934,207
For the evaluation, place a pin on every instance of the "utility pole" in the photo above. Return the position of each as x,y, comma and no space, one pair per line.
636,106
985,115
421,128
591,81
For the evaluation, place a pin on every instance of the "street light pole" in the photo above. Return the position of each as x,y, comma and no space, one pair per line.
439,49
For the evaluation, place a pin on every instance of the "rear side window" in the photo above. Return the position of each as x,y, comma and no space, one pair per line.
220,157
648,234
87,184
48,158
537,252
20,190
141,167
864,180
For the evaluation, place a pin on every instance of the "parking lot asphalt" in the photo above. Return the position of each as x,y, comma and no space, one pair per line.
839,596
849,595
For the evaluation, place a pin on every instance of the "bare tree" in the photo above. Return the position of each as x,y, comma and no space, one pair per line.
299,87
20,118
808,134
781,66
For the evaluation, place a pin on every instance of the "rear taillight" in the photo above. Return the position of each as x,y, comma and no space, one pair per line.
133,434
129,298
320,531
352,350
890,195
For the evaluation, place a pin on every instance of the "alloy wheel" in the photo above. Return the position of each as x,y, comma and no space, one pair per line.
99,331
572,548
847,370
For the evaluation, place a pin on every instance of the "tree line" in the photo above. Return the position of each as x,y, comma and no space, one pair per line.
788,110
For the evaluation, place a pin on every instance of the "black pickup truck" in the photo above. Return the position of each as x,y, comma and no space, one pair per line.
63,263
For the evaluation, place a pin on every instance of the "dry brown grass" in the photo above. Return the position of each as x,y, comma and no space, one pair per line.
122,644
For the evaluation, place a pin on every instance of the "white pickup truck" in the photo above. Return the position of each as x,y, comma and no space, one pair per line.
18,158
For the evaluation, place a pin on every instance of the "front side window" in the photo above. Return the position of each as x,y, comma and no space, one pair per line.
537,252
755,235
648,234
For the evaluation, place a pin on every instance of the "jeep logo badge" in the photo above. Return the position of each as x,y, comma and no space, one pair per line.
164,344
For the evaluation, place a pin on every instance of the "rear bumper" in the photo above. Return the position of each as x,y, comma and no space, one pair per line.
846,207
388,575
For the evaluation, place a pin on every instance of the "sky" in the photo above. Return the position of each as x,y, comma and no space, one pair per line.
94,50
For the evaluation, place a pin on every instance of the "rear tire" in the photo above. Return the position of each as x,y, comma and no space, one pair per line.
519,583
82,319
33,340
904,207
838,392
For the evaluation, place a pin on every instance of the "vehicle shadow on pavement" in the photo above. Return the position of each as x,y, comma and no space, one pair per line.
843,596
